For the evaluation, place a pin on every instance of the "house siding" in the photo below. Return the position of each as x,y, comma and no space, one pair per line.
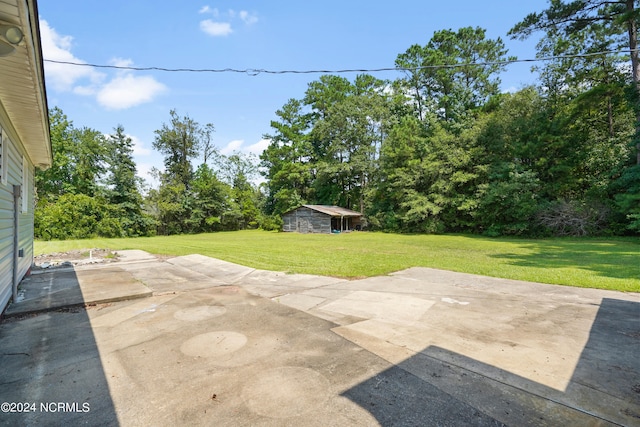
14,176
25,236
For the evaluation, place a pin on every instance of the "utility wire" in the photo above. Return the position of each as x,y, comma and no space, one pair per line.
257,71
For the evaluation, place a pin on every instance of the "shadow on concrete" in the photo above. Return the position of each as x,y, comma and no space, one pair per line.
396,397
47,290
441,387
610,361
51,369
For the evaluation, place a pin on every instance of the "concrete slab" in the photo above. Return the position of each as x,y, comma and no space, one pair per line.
418,347
530,337
164,277
399,309
300,301
222,271
183,363
296,281
52,289
134,255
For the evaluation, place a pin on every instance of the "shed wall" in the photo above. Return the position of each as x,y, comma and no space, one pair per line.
305,220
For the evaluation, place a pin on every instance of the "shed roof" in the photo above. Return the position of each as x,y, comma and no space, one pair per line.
334,210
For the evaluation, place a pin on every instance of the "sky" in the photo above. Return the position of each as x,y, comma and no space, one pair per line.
252,34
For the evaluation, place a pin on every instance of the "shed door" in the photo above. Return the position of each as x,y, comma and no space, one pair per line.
303,225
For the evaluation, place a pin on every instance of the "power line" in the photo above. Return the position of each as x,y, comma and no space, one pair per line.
257,71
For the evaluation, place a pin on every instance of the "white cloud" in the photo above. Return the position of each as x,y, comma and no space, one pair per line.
144,171
238,145
208,10
258,147
122,91
63,77
219,28
126,90
215,29
85,90
121,62
139,148
248,18
232,146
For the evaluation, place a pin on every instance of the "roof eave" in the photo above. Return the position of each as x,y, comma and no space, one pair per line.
23,95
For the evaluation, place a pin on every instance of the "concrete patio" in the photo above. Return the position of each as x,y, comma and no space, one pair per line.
198,341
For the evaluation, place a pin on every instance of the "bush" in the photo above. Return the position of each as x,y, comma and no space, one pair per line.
508,204
78,216
72,216
628,198
271,223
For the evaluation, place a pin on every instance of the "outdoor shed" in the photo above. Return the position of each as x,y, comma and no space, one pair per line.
321,219
24,138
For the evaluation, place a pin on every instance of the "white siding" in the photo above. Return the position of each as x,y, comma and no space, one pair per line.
6,230
25,236
14,174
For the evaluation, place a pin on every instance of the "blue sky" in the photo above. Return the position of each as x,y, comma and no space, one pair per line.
274,35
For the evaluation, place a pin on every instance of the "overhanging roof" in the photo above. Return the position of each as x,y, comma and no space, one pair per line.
23,98
334,210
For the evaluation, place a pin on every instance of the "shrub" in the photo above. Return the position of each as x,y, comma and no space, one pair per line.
508,204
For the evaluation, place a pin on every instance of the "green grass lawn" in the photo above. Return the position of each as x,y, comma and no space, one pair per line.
593,263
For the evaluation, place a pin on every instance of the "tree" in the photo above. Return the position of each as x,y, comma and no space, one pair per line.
121,179
176,203
91,189
428,178
442,79
208,148
170,205
180,142
78,159
287,160
400,180
122,185
601,99
621,17
211,200
244,212
353,130
615,22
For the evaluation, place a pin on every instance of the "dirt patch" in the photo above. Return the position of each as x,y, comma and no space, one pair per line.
75,257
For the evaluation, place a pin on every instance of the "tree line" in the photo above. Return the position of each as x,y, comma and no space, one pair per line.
440,149
92,188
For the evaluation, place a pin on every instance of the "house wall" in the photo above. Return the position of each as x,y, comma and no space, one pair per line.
305,220
19,171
